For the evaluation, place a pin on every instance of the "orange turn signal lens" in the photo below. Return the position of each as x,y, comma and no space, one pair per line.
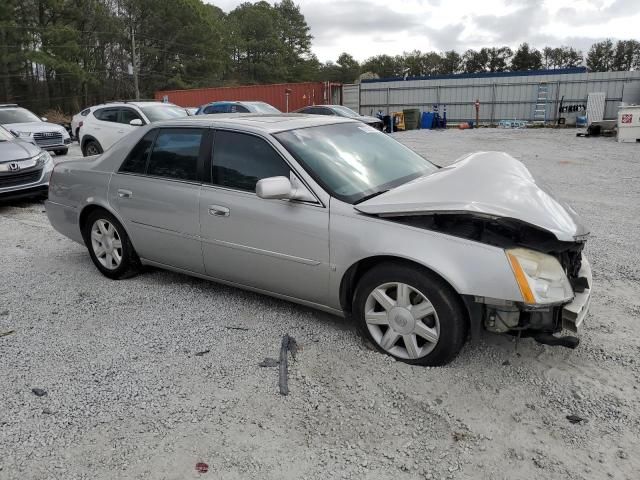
521,278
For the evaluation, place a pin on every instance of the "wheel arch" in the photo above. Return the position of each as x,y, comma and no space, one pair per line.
87,138
89,208
354,273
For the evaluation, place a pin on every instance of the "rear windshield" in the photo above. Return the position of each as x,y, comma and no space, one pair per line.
17,115
156,113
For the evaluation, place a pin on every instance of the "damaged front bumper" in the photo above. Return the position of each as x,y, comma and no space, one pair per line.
574,313
501,316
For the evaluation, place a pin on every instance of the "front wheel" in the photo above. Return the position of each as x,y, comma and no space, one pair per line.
410,314
109,246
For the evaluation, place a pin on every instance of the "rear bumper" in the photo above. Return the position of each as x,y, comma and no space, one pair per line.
65,220
574,313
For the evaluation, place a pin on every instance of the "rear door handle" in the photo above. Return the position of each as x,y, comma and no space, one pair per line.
125,193
218,211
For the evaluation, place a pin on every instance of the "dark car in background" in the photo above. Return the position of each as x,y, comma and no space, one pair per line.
24,167
341,111
236,107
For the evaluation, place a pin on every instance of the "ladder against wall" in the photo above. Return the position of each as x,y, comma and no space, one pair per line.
540,111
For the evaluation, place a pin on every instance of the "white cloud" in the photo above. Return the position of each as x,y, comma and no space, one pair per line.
372,27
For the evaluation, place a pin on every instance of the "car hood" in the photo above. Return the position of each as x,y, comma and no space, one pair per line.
33,127
486,183
17,150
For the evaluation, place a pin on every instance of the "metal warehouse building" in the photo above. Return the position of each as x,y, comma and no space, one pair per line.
502,95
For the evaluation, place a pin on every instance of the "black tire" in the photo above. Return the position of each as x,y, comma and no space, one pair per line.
449,312
62,151
91,147
129,265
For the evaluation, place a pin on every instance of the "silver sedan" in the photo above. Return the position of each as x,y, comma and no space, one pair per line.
333,214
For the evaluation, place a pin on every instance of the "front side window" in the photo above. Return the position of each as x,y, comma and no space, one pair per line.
136,161
353,161
128,114
107,114
240,160
215,109
175,154
156,113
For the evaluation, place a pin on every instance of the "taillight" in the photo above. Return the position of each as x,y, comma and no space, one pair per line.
80,124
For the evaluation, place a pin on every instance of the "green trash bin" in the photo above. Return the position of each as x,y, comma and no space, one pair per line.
411,118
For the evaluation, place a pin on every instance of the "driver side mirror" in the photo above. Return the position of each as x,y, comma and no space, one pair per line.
274,188
136,122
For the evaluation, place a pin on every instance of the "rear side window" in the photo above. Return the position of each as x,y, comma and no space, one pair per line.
239,109
240,160
175,154
107,114
136,162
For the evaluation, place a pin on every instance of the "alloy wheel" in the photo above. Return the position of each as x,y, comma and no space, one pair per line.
402,320
106,244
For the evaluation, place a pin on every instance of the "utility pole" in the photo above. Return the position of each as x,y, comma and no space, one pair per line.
134,63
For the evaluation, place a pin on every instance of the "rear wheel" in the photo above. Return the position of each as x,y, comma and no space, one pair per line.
92,147
410,314
109,246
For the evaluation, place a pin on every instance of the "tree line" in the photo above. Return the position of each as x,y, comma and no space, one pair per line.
68,54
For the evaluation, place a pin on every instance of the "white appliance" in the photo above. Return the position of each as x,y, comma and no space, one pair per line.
629,123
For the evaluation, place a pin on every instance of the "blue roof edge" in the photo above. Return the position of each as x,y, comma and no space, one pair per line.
524,73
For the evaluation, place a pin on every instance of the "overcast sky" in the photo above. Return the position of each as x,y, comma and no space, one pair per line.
370,27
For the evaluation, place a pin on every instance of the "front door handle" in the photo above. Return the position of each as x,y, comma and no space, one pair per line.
125,193
218,211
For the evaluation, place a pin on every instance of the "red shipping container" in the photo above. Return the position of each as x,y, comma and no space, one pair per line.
300,95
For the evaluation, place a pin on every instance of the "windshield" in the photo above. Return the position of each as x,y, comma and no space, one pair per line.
5,136
345,111
354,161
261,107
155,113
17,115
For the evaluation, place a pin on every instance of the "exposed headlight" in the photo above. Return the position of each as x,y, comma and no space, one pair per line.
540,277
43,158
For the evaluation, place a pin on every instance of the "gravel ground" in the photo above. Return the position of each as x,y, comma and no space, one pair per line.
129,395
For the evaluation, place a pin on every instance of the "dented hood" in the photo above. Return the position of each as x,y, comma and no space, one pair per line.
487,183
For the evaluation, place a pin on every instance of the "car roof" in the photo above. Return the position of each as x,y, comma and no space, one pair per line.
267,123
128,103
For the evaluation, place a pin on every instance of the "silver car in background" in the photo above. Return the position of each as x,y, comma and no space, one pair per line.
333,214
24,168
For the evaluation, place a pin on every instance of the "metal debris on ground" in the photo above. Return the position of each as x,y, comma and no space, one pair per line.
203,352
4,334
236,328
288,345
202,467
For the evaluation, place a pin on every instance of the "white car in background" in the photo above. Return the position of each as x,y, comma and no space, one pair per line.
77,121
105,124
28,126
